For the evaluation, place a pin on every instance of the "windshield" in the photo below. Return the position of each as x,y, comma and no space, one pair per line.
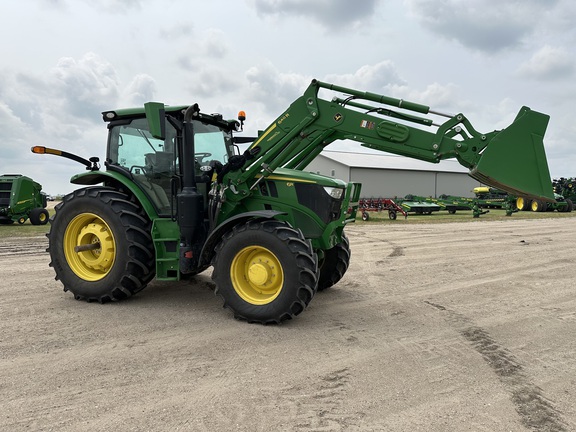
210,143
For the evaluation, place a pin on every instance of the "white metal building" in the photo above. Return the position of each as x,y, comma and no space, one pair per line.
386,176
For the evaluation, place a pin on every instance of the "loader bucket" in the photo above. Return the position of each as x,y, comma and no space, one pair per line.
515,160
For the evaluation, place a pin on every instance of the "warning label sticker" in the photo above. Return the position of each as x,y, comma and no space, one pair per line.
367,124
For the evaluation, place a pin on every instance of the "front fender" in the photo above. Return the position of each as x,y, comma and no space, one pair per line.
216,234
118,181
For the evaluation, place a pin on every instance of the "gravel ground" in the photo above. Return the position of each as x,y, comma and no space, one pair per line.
435,327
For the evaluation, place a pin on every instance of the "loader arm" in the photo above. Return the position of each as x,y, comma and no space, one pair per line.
512,159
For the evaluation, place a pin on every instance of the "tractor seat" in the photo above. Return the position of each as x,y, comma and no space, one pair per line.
159,164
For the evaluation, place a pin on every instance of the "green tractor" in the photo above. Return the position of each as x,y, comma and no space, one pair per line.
21,198
177,196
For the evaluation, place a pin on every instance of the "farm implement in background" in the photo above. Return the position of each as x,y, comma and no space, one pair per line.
21,198
366,205
564,195
451,204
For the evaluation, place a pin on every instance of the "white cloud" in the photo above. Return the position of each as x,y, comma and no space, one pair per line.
116,6
176,31
548,63
11,127
85,85
59,109
211,48
213,44
141,89
335,15
484,25
377,77
210,82
275,89
439,97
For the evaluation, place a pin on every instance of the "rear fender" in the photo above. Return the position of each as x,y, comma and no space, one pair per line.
117,181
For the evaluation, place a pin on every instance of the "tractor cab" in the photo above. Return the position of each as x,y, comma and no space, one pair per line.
153,160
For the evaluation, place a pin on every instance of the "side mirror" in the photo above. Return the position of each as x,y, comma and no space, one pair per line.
156,116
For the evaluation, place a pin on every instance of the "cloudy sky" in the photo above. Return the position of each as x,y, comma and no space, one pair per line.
66,61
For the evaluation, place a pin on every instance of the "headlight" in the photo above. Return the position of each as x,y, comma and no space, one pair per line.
334,192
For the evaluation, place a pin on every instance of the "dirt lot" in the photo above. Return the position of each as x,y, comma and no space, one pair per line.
435,327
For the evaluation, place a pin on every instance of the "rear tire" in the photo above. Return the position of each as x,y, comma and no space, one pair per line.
568,207
523,204
334,265
39,216
265,271
538,206
123,263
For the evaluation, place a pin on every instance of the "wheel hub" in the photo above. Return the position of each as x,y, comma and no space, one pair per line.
260,273
257,275
101,258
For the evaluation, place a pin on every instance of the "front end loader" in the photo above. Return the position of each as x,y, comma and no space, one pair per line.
176,196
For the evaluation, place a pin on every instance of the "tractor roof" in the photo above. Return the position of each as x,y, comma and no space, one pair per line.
136,112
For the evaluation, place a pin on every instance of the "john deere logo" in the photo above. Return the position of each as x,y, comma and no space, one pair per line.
337,117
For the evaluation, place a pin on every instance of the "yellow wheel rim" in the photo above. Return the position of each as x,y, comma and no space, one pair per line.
42,217
519,203
87,229
257,275
534,206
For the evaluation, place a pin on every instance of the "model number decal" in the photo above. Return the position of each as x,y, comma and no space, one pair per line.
284,117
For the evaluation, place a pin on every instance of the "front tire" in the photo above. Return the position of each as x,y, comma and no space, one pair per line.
334,265
265,271
118,260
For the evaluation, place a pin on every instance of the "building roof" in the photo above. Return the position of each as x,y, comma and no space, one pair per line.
389,161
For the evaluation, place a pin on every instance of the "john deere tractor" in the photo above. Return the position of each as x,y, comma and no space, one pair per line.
176,196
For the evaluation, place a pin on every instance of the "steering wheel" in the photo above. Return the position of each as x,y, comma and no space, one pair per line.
138,167
201,156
